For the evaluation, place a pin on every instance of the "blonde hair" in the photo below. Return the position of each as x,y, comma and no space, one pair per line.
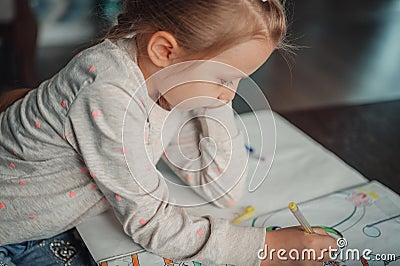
201,27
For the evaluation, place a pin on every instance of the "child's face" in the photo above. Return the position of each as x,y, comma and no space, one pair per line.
212,82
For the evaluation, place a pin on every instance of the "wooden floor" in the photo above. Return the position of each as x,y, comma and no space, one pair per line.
365,136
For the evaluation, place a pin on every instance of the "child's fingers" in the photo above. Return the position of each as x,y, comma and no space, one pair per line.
319,231
322,243
331,241
329,245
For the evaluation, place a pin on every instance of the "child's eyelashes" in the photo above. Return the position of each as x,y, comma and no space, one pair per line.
226,83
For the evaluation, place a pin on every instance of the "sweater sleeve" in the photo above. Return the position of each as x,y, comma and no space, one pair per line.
208,153
111,140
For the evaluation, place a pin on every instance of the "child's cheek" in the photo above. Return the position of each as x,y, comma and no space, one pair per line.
193,95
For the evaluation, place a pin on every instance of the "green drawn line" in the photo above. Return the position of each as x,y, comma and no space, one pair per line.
346,219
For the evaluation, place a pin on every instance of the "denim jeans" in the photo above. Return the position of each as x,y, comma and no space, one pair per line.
64,249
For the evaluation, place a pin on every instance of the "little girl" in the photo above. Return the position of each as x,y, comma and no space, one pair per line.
89,138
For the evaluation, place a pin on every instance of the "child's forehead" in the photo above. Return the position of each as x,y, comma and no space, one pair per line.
217,68
246,57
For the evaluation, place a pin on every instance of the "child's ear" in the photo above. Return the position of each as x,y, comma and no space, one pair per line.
163,49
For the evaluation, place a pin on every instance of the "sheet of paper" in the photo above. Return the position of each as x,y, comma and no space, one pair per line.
367,217
148,259
301,170
105,238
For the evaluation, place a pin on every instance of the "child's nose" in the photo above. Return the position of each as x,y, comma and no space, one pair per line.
227,96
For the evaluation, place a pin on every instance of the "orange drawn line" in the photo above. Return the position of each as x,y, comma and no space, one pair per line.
167,261
135,260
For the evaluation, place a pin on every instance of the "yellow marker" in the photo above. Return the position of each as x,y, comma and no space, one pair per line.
299,216
373,195
248,212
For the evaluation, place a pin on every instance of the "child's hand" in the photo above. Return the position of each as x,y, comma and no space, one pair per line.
295,238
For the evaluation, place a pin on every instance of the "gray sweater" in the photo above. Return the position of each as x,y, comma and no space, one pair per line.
89,138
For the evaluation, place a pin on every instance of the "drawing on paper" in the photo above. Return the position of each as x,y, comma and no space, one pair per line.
148,259
366,217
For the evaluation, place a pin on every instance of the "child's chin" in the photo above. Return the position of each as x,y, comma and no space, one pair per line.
184,108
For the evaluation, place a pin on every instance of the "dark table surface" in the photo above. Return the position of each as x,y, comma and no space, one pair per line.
367,137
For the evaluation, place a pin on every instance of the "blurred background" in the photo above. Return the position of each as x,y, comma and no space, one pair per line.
349,51
38,37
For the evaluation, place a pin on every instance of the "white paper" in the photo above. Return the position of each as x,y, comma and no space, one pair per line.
302,170
360,214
